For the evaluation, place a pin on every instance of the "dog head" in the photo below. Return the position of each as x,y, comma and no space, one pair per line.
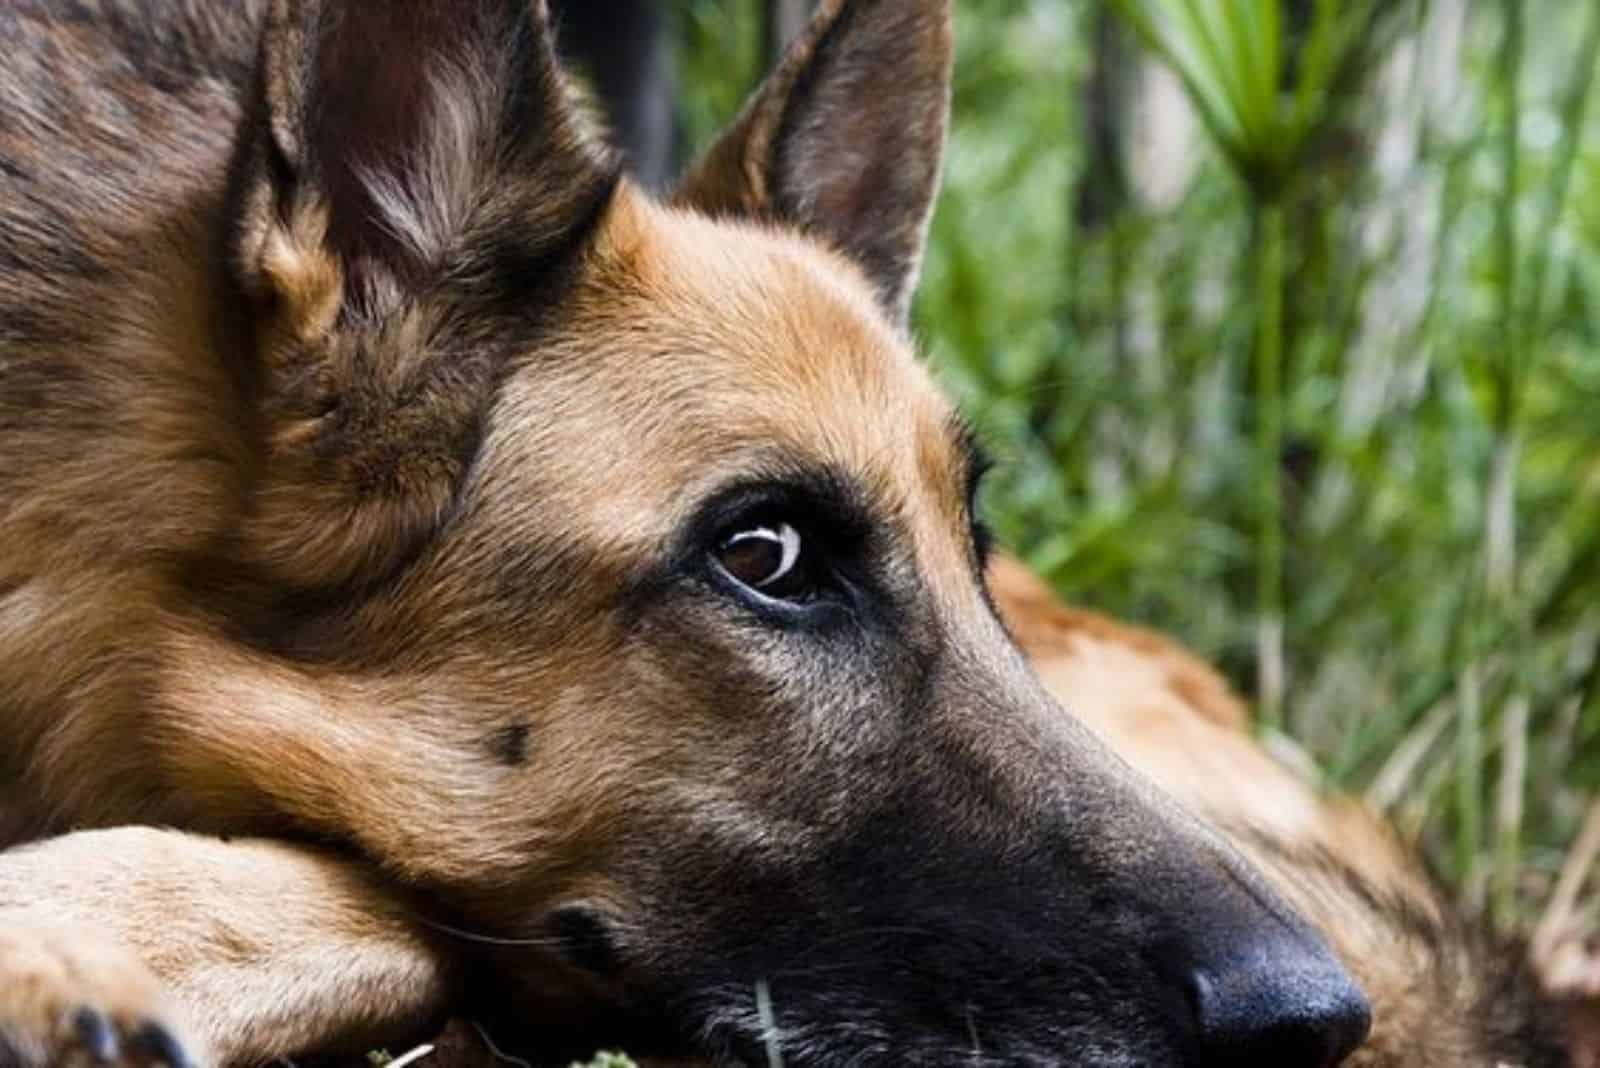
610,572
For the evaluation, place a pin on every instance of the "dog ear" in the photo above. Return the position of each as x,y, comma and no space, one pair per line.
386,126
391,143
845,138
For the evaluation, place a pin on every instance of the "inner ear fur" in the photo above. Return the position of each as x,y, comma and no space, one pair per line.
845,139
394,151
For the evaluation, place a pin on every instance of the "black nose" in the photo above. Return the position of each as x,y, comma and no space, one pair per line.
1279,1000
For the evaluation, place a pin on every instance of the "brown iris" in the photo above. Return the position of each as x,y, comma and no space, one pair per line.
768,558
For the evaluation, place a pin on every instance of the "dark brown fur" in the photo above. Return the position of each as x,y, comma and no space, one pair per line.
369,451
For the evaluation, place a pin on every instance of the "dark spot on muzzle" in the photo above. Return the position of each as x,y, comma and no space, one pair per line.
509,745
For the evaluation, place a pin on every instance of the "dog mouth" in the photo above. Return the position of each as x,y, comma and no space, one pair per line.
758,1031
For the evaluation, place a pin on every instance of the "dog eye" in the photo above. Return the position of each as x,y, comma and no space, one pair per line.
769,558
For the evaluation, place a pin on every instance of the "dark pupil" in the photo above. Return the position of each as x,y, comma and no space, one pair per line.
754,560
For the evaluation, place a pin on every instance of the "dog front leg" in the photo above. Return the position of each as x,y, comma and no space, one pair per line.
137,946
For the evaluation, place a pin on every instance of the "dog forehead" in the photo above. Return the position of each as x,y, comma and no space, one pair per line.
782,312
698,347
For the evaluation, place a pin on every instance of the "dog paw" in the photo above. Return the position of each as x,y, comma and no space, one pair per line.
70,1001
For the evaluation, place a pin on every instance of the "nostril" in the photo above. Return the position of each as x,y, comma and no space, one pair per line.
1284,1009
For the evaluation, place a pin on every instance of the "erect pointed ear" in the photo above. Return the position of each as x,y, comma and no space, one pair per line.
399,154
845,138
385,127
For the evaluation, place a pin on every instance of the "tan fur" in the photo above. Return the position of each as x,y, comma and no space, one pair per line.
1053,634
52,971
261,948
172,469
368,448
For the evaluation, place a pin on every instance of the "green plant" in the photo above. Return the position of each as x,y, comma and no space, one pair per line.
1342,371
607,1060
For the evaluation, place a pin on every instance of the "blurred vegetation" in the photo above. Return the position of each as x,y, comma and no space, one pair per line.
1283,317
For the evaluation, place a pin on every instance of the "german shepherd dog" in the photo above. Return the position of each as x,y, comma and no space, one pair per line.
591,575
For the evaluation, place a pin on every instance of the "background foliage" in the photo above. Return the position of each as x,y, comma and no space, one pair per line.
1283,317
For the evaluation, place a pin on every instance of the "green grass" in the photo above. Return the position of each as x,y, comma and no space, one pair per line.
1330,410
607,1060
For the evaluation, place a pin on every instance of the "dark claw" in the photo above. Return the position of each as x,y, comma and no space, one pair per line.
95,1034
155,1041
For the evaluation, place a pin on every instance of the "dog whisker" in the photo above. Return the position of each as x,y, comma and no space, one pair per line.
488,939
